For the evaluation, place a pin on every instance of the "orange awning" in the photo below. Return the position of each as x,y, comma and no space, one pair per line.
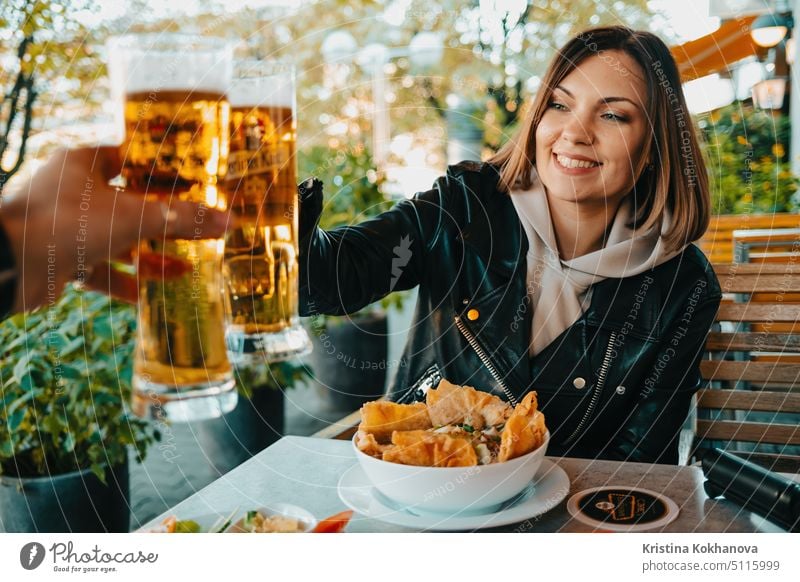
716,52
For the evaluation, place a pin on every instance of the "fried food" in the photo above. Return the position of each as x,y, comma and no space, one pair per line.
457,426
452,404
427,449
381,418
524,430
366,443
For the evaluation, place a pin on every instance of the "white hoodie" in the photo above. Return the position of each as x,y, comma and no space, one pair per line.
560,291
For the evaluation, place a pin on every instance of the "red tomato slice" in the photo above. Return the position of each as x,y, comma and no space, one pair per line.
335,523
158,266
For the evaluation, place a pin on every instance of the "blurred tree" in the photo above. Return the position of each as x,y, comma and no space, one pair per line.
352,192
496,51
747,154
43,51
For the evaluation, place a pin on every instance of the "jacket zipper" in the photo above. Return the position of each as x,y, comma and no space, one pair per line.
484,358
598,388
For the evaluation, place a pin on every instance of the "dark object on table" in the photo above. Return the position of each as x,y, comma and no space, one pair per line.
768,494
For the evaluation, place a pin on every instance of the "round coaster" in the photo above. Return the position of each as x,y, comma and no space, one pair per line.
622,508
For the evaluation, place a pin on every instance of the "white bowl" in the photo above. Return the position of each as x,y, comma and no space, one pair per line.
481,488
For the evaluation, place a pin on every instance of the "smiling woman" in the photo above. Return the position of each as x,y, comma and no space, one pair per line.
563,264
615,94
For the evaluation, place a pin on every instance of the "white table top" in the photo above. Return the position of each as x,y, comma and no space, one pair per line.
305,471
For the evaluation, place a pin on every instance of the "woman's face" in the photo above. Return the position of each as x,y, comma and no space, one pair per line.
590,139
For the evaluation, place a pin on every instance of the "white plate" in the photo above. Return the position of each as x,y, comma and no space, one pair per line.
548,488
206,521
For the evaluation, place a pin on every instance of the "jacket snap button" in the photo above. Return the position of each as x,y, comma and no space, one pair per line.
579,383
465,301
473,314
620,390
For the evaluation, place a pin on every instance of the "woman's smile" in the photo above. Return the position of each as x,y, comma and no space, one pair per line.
573,165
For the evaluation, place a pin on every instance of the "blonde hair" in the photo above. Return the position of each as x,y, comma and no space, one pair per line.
672,174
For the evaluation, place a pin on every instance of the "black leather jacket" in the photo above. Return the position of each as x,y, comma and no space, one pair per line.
616,384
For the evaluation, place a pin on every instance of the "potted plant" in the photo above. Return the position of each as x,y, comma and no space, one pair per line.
65,430
258,419
349,360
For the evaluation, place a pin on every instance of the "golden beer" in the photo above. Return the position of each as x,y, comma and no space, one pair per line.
175,148
260,268
261,254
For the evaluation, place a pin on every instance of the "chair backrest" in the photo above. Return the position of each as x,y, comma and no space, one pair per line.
718,243
752,366
771,245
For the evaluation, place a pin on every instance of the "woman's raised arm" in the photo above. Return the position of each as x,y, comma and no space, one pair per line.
344,269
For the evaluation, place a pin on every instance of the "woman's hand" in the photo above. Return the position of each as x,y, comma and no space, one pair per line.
66,223
310,196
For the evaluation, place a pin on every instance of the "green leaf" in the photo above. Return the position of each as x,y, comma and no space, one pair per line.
21,367
71,346
19,402
99,470
187,526
72,372
55,341
104,399
69,443
20,340
53,423
15,420
27,384
102,327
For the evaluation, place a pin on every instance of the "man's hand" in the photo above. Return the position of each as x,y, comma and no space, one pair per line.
65,223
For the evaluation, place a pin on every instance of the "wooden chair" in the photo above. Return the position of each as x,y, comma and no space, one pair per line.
752,369
771,245
718,243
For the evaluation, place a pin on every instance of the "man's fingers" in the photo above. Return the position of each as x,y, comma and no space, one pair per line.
108,161
180,219
102,160
106,279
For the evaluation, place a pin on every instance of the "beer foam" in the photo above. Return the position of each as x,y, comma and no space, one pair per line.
262,92
177,71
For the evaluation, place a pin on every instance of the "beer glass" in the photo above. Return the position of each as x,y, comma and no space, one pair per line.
175,114
260,266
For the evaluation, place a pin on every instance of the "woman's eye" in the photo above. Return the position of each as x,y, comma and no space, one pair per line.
613,116
557,106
